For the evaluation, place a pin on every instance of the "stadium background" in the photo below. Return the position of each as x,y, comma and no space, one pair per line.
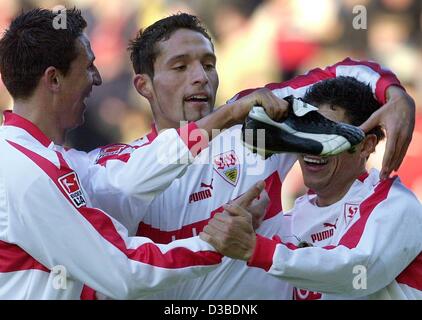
257,41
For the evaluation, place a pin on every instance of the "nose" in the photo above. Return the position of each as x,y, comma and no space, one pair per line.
97,81
199,75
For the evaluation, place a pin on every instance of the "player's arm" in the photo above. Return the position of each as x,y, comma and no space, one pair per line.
397,116
147,170
383,242
123,179
94,248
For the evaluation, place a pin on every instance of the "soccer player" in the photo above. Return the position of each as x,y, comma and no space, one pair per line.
353,235
172,63
48,221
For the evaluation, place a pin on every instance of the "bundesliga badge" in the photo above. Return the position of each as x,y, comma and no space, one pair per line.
227,166
70,185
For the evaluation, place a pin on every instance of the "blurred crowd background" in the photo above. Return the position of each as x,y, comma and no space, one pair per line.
257,42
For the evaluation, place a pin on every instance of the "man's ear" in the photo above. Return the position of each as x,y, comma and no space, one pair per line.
52,79
368,145
143,84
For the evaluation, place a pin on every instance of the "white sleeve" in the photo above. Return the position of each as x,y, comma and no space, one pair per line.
383,242
94,248
379,78
126,184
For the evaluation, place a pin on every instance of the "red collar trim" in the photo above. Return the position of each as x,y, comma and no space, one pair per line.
363,176
153,134
12,119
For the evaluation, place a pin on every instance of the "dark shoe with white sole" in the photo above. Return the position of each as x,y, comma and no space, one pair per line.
304,131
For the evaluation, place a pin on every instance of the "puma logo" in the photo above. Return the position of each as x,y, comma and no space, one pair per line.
319,236
204,185
327,224
203,194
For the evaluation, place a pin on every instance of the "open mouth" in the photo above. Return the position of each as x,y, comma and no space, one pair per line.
315,161
198,98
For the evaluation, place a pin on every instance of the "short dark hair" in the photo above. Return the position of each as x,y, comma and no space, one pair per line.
143,49
32,44
355,97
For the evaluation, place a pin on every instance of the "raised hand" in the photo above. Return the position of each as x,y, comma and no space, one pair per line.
397,117
232,232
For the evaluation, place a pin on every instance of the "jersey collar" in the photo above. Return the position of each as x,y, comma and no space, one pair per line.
153,133
361,178
15,120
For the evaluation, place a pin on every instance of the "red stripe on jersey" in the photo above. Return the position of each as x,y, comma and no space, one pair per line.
303,294
363,176
13,119
147,253
412,275
290,245
153,134
187,231
122,157
13,258
272,186
387,78
114,152
190,134
126,156
88,293
242,94
312,77
263,253
352,237
194,138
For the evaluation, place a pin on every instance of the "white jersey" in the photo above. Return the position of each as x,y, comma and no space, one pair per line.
365,246
222,173
52,241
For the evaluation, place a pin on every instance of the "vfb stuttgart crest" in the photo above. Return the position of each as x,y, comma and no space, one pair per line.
227,166
70,185
350,211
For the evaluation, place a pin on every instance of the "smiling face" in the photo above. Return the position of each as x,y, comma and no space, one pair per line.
185,79
332,176
77,85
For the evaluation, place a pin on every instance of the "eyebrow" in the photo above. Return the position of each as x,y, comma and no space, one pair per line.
186,56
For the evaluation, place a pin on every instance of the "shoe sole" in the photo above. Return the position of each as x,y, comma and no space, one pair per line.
313,143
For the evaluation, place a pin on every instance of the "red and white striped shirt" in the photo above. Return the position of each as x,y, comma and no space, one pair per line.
222,173
52,241
365,246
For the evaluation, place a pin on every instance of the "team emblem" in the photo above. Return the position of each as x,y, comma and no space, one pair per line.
227,166
111,150
71,186
350,211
